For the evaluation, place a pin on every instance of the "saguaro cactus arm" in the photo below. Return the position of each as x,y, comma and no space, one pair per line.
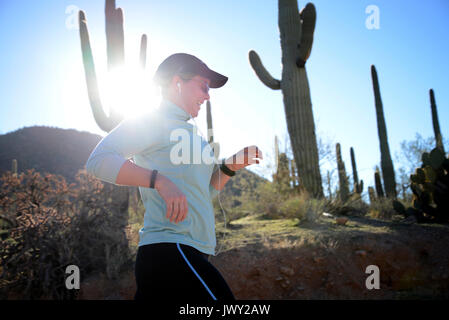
104,122
115,39
308,17
143,51
262,73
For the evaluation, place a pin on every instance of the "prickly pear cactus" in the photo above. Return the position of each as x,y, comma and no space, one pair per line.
430,187
296,32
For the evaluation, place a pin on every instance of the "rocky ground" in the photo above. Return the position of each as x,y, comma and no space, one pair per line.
281,259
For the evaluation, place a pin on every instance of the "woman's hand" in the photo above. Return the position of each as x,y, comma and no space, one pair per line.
174,198
244,158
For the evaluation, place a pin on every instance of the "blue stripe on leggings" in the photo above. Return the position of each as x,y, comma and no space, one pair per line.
191,267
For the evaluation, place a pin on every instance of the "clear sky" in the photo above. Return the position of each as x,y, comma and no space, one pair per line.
42,78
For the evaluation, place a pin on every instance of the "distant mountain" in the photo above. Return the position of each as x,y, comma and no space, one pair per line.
47,149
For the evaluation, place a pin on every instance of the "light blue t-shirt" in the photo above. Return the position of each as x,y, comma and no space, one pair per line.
160,139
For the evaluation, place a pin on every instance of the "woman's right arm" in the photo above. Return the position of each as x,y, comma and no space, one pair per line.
131,174
109,162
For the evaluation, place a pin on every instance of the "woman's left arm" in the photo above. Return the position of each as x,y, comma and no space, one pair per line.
240,160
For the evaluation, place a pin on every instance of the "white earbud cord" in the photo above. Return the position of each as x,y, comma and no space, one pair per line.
219,201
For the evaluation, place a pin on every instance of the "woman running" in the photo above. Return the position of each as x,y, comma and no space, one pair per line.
178,176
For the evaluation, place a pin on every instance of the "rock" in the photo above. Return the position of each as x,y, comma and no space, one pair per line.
341,221
287,271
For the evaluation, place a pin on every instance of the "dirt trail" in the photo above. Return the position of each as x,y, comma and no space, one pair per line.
277,259
328,261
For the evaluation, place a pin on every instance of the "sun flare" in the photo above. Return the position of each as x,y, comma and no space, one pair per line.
128,91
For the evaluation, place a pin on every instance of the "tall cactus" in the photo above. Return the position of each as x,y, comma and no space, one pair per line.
385,160
296,32
115,58
210,131
282,176
358,185
276,153
435,122
371,194
344,185
329,190
14,167
378,183
294,174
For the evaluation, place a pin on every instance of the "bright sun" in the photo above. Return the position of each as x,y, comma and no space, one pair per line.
128,90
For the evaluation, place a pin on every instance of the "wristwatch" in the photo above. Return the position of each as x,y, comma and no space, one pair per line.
153,179
226,170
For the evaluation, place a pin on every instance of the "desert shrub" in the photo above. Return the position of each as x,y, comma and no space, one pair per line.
354,206
313,209
381,208
50,225
270,200
293,207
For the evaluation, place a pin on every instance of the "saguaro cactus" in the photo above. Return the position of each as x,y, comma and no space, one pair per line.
14,167
115,58
296,32
294,174
276,153
435,122
378,183
282,176
210,131
385,161
371,194
344,185
358,185
329,189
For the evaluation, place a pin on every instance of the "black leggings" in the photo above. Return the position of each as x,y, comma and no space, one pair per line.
178,272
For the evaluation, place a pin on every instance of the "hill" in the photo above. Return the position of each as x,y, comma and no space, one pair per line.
47,149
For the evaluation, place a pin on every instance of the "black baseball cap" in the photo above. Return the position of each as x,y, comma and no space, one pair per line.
183,63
